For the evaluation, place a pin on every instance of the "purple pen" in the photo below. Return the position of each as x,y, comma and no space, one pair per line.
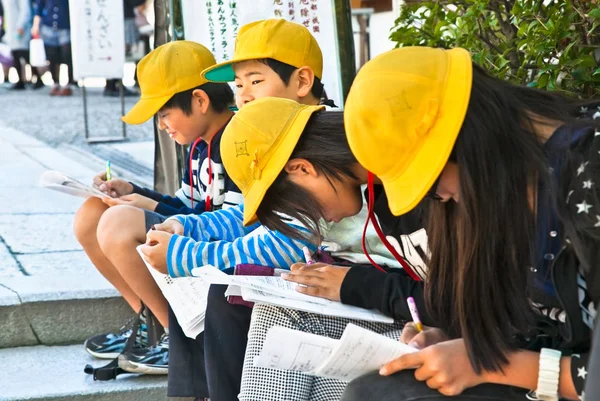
412,306
307,256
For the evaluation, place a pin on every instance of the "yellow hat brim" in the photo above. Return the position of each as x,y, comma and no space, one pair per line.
279,155
406,190
145,109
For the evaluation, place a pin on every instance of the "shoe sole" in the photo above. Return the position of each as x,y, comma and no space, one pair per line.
104,355
134,367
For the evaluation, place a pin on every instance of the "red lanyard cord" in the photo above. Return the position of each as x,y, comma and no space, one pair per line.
208,200
210,179
371,217
192,171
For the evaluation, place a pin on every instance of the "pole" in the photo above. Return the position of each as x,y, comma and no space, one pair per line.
345,38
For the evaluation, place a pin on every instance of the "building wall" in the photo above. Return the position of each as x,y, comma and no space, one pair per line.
380,26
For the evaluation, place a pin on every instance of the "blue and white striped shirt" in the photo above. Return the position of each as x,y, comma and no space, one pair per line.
220,239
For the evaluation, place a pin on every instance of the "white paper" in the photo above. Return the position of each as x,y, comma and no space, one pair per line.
274,290
336,309
358,352
63,183
187,296
289,349
97,38
233,291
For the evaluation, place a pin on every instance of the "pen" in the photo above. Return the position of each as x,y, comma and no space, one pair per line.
108,175
307,256
412,306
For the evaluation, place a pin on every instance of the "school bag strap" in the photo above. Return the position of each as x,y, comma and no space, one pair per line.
108,372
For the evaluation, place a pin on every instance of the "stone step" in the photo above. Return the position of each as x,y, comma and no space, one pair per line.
56,373
49,310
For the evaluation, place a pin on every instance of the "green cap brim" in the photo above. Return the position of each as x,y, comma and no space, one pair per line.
220,73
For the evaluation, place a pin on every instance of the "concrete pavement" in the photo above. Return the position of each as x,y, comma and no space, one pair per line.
50,293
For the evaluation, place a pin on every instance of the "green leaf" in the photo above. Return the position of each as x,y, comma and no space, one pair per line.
542,81
597,72
594,13
587,61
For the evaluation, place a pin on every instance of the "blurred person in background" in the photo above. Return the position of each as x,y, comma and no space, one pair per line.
51,23
17,17
131,40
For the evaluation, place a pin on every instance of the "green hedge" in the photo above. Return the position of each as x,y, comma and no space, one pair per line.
548,44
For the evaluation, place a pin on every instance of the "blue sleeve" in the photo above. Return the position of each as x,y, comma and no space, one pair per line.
38,7
168,205
225,224
262,247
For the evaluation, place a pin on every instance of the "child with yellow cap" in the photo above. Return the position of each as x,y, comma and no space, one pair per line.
277,58
510,176
193,112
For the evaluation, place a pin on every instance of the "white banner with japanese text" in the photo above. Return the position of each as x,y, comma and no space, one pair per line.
97,38
214,24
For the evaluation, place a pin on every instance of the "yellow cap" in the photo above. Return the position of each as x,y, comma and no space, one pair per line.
281,40
403,115
257,144
169,69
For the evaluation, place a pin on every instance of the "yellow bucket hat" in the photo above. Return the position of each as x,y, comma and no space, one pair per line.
281,40
257,144
169,69
403,115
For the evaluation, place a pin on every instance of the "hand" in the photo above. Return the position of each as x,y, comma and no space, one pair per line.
155,249
136,200
319,279
20,32
444,367
35,30
171,226
422,339
114,188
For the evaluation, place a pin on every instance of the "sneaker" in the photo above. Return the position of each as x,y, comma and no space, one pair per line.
116,93
37,85
66,91
19,86
152,360
55,90
111,345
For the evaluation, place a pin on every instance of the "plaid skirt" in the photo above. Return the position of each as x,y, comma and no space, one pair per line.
264,384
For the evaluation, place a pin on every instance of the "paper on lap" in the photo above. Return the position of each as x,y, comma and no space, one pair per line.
187,296
63,183
274,290
358,352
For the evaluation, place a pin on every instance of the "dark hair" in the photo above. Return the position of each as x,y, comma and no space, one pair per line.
482,247
323,143
220,95
285,71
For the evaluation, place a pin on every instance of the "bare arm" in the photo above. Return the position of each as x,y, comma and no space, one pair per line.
522,371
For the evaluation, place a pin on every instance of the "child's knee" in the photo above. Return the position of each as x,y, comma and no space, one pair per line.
120,226
87,218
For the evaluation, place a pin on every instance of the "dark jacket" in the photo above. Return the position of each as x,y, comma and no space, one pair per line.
129,6
54,13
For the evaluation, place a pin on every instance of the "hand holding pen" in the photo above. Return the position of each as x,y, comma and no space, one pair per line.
113,187
419,336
